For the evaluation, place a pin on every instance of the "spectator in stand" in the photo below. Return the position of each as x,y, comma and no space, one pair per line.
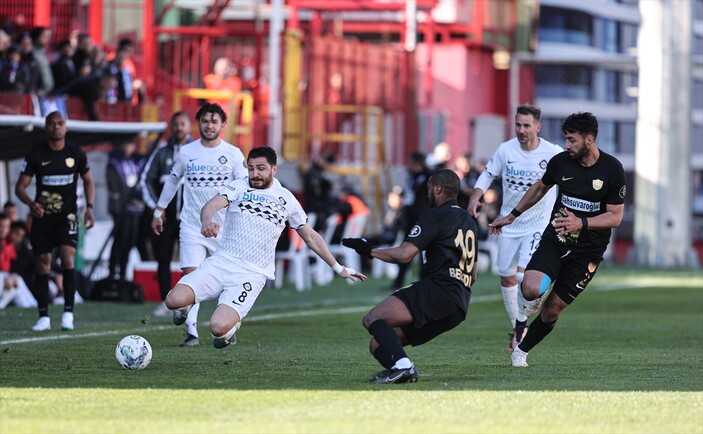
81,57
23,264
223,77
440,157
15,75
5,42
41,36
124,88
64,70
468,176
29,63
13,288
124,204
11,211
90,89
317,189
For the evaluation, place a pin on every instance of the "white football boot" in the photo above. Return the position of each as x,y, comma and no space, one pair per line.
42,325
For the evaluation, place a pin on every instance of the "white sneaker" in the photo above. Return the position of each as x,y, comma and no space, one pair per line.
67,321
42,325
161,310
531,307
519,358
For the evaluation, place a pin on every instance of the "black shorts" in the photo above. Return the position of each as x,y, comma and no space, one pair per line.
53,231
435,309
569,270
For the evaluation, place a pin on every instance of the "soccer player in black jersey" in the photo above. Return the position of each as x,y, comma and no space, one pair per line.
447,237
56,164
590,203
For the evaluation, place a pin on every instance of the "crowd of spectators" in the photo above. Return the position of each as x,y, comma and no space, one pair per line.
31,63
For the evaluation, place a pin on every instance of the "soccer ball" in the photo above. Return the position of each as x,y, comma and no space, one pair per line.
133,352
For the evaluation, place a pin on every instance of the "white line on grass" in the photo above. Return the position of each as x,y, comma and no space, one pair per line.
629,284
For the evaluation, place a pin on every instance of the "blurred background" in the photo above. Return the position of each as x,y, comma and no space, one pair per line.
354,88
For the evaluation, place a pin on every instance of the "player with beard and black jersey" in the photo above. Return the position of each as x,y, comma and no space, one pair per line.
589,204
447,237
56,165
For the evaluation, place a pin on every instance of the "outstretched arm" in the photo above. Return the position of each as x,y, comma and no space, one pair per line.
317,245
401,254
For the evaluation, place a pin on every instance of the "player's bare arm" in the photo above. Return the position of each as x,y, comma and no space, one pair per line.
317,244
35,208
208,228
531,197
475,202
571,223
89,188
401,254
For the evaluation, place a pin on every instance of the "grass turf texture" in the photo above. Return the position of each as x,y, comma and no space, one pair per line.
626,357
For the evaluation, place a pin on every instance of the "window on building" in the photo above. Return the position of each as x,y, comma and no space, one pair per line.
609,36
697,101
612,86
697,45
564,81
607,136
626,137
551,130
698,9
628,37
697,139
568,26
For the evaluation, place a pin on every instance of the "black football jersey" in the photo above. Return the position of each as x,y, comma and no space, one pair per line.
447,237
585,191
56,175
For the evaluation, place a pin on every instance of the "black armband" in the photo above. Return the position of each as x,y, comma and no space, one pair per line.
516,213
584,223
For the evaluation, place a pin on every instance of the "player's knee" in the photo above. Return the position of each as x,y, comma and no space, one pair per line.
373,345
368,320
220,326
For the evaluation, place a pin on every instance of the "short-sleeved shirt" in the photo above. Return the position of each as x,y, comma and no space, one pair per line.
585,191
56,175
204,171
254,222
447,237
519,169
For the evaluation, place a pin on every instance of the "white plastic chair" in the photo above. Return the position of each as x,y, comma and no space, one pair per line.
320,276
354,228
297,257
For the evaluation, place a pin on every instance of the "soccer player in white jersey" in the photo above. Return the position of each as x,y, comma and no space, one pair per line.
257,210
521,162
203,166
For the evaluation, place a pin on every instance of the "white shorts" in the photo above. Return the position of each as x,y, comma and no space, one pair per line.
194,247
236,287
516,252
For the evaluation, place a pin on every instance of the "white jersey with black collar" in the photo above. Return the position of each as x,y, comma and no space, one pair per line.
520,169
202,170
254,222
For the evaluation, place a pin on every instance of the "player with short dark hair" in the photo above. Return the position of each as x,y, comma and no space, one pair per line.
447,237
258,208
56,165
589,204
202,167
519,162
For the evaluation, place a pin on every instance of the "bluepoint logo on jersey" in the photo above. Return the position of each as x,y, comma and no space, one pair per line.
206,168
580,204
253,197
510,170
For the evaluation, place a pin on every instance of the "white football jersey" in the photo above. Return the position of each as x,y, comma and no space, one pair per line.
520,169
203,171
254,222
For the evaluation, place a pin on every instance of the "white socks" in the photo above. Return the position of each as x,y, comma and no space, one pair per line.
403,363
510,300
192,320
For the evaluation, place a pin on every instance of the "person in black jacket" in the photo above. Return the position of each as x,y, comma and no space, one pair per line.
124,204
156,169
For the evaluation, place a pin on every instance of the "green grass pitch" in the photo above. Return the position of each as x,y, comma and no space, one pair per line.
627,356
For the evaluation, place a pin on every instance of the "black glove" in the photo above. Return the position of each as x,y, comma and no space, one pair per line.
360,245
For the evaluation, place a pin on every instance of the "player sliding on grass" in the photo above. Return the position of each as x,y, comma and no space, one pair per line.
258,208
590,202
415,314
